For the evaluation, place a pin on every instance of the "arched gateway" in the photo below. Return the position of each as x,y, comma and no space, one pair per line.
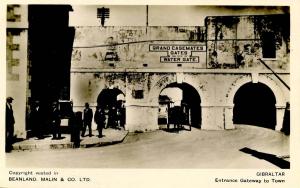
112,102
180,95
254,104
262,92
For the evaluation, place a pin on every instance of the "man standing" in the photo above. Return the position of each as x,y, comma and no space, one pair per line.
99,120
10,121
55,120
87,119
36,120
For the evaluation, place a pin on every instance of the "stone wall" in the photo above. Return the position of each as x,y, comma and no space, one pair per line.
129,47
16,64
136,63
216,91
231,36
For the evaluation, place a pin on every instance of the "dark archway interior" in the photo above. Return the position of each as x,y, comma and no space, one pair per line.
254,104
50,41
114,108
108,97
50,44
192,99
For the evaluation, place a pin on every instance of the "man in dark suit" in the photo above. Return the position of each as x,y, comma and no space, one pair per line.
10,121
36,120
55,120
87,119
99,119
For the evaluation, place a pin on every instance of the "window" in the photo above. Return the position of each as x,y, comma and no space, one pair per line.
138,94
268,45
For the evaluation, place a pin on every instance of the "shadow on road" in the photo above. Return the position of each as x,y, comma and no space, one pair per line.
268,157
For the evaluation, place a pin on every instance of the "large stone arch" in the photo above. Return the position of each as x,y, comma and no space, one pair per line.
109,92
87,85
166,80
268,81
158,87
102,83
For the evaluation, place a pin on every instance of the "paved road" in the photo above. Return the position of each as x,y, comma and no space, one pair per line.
160,149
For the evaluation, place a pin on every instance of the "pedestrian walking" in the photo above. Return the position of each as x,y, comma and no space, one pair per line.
87,120
9,121
55,120
99,119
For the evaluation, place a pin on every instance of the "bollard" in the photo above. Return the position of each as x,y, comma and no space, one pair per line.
76,125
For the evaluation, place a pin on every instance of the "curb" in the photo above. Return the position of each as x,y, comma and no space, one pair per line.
31,147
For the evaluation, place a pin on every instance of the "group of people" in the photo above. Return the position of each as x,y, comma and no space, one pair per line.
99,119
104,117
37,120
79,121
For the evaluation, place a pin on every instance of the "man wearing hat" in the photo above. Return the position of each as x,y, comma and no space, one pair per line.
36,120
10,121
87,119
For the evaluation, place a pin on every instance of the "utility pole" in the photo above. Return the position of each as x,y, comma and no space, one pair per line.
147,23
147,11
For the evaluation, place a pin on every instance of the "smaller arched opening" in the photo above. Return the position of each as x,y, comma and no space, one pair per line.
254,104
179,96
112,101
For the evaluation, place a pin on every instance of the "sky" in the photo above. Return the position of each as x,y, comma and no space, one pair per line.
161,15
174,93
